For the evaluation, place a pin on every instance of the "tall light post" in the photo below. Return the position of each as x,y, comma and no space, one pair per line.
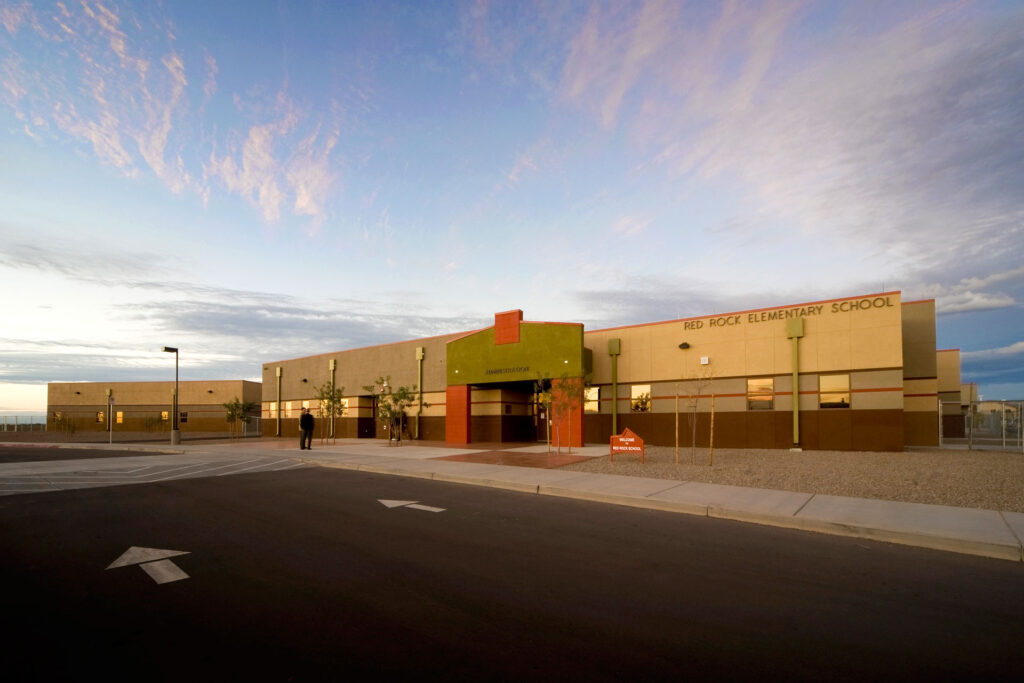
175,434
682,346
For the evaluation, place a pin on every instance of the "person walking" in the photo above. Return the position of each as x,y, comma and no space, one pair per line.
306,430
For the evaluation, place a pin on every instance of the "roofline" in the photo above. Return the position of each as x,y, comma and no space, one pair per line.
521,322
752,310
155,381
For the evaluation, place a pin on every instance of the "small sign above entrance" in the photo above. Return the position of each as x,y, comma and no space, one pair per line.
628,443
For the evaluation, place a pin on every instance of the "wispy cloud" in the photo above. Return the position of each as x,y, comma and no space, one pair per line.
119,84
12,15
311,176
1012,350
78,260
1003,365
256,176
971,294
628,226
904,142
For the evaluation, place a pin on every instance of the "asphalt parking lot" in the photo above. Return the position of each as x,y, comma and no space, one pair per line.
320,574
48,453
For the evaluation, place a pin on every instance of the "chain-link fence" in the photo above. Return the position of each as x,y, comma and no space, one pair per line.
987,425
22,423
37,423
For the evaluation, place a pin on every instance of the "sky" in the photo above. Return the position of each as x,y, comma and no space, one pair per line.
254,181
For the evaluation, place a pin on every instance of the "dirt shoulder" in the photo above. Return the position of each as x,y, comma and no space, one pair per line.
991,480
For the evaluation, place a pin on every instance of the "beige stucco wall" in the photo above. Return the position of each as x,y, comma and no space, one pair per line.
920,370
215,392
948,366
859,335
357,368
919,353
141,403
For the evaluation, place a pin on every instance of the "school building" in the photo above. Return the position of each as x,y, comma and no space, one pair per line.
857,373
145,406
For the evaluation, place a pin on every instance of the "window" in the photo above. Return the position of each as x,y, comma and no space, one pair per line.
99,416
592,400
834,391
761,393
183,418
120,417
305,404
343,407
165,415
640,398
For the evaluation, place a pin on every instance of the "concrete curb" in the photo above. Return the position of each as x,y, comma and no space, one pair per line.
985,533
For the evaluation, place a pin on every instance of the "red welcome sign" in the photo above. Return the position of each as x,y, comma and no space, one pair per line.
627,442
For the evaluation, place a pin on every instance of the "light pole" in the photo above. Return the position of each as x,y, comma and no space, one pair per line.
682,346
175,434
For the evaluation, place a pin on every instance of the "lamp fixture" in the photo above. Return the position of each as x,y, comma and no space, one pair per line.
304,379
684,345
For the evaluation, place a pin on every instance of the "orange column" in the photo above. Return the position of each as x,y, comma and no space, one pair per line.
457,414
567,420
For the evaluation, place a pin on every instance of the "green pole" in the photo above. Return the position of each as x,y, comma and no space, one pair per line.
614,349
795,330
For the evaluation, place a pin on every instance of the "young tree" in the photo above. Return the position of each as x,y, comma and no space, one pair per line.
391,405
560,398
64,424
701,382
566,397
331,406
542,390
237,411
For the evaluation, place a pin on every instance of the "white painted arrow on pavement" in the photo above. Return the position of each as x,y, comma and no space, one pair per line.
408,504
154,562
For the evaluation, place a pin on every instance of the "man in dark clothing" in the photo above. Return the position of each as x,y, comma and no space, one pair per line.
306,430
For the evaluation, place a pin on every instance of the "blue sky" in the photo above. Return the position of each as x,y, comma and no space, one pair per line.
263,180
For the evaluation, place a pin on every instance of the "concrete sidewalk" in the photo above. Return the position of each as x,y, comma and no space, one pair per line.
988,533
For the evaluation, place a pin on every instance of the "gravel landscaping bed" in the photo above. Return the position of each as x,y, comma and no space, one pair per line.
991,480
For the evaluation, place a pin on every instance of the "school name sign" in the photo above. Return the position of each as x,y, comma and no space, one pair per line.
847,306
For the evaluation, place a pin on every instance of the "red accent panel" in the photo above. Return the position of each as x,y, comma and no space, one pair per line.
567,427
506,327
457,413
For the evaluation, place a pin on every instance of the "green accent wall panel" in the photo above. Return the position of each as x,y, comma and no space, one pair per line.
543,350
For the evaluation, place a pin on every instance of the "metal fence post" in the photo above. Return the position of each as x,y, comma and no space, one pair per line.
1002,422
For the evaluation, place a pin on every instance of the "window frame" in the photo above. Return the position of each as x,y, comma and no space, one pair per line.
833,405
592,399
755,394
640,402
